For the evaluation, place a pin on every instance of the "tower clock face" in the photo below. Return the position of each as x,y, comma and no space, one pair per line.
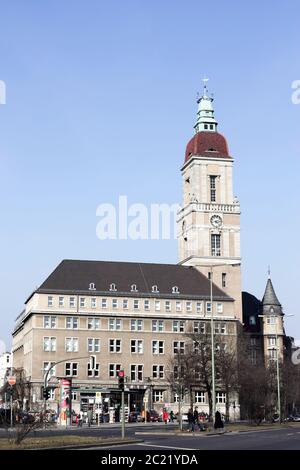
216,221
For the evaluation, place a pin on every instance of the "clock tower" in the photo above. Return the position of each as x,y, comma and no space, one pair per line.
208,223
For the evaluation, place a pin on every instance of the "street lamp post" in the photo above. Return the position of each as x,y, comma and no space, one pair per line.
212,347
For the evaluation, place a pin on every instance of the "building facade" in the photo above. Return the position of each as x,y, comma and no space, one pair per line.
137,316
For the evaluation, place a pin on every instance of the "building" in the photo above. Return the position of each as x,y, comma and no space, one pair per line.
135,316
5,365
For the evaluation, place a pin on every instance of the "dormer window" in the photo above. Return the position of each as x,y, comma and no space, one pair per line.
155,289
92,286
175,290
112,287
133,288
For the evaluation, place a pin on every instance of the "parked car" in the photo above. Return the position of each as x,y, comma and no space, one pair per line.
135,417
152,416
293,418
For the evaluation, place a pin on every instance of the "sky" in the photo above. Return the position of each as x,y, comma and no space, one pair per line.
101,102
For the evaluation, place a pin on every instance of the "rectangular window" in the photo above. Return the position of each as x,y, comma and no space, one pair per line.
271,320
71,323
93,302
208,307
49,321
158,396
215,244
136,325
82,302
125,304
104,303
158,326
199,307
71,369
136,304
220,398
212,185
147,304
178,347
219,307
223,279
272,354
47,366
253,341
50,301
114,324
199,327
114,303
115,345
188,306
136,372
158,347
113,370
199,397
220,328
157,305
61,301
272,341
253,356
168,306
93,345
72,302
178,306
49,343
136,346
95,372
158,372
71,344
93,323
178,326
51,394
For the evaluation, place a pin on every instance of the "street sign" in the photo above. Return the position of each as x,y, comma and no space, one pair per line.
11,380
98,397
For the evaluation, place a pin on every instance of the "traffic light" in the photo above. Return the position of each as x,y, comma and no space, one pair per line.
121,379
46,393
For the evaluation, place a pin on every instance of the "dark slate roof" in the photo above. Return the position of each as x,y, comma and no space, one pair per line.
251,308
270,298
270,303
76,276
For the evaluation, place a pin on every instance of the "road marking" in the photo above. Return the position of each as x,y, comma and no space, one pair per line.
164,447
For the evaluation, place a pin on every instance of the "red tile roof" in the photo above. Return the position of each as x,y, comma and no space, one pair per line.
207,144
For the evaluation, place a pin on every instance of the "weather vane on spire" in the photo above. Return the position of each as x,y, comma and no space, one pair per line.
269,271
205,80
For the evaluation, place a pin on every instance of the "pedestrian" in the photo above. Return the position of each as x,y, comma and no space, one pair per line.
172,416
165,416
89,417
79,418
191,420
219,425
196,417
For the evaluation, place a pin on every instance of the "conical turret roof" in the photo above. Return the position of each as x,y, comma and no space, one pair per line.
270,302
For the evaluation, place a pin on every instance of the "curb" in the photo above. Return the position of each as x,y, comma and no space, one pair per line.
86,446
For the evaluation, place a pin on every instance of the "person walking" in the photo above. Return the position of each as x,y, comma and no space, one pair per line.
196,417
219,425
191,420
165,416
89,417
172,416
80,418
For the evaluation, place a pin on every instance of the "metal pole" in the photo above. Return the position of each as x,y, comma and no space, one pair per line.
277,370
11,410
212,348
123,414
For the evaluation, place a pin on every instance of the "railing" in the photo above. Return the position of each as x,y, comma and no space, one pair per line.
214,207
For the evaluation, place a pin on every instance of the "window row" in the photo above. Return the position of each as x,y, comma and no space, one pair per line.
116,324
135,304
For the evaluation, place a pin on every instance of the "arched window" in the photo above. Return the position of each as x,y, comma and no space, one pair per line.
112,287
133,288
155,288
92,286
175,290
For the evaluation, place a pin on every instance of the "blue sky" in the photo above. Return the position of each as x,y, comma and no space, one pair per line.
101,102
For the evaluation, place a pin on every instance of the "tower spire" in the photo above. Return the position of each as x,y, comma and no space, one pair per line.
205,116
